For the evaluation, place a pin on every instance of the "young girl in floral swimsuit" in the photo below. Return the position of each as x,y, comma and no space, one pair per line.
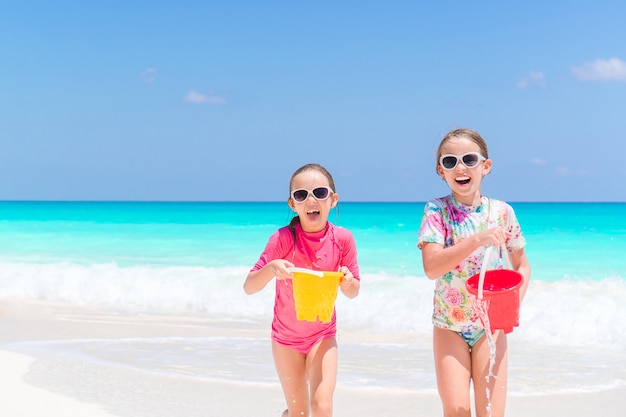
454,233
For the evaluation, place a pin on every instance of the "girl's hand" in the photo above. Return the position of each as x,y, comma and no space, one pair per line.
278,267
257,280
496,236
348,284
438,260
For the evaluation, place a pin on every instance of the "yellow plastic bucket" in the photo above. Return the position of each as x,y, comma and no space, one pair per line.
315,293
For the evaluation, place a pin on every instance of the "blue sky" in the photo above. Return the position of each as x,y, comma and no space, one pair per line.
214,101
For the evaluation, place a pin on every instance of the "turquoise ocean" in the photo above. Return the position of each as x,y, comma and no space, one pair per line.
191,258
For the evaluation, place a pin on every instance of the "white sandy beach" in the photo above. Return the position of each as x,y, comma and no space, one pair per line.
35,385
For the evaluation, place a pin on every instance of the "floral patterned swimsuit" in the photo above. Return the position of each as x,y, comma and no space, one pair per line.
446,222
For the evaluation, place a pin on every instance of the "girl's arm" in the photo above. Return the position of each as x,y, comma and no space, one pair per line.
258,279
349,285
438,260
519,262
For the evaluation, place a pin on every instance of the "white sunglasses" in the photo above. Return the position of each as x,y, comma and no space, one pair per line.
320,193
469,159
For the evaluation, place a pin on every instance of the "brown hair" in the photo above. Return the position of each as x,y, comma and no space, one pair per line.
313,167
467,134
304,168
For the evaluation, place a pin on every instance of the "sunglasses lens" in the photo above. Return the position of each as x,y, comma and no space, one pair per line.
449,162
300,195
470,160
321,193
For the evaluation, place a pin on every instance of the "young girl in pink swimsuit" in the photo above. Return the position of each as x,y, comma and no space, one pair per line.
453,236
305,353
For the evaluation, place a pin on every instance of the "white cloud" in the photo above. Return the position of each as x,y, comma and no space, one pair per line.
538,161
532,79
612,69
148,75
564,171
199,98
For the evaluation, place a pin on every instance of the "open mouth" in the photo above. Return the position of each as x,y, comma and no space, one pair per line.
462,180
312,212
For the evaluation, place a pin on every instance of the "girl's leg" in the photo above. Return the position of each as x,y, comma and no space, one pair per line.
453,367
291,369
322,372
480,369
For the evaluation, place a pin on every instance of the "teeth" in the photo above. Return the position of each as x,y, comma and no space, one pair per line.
462,178
312,211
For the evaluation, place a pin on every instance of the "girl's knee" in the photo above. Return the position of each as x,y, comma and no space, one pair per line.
321,407
455,410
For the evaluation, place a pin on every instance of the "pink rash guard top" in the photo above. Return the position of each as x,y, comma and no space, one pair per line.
326,250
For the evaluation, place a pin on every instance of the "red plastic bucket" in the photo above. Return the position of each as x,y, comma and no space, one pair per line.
501,291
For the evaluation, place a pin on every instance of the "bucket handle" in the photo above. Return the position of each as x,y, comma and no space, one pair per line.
306,271
483,268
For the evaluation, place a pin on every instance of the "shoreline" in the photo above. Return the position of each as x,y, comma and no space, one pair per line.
51,382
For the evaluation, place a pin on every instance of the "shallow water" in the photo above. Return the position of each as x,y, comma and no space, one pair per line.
190,259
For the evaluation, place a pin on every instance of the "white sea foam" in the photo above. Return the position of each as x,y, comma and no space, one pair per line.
571,336
563,313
